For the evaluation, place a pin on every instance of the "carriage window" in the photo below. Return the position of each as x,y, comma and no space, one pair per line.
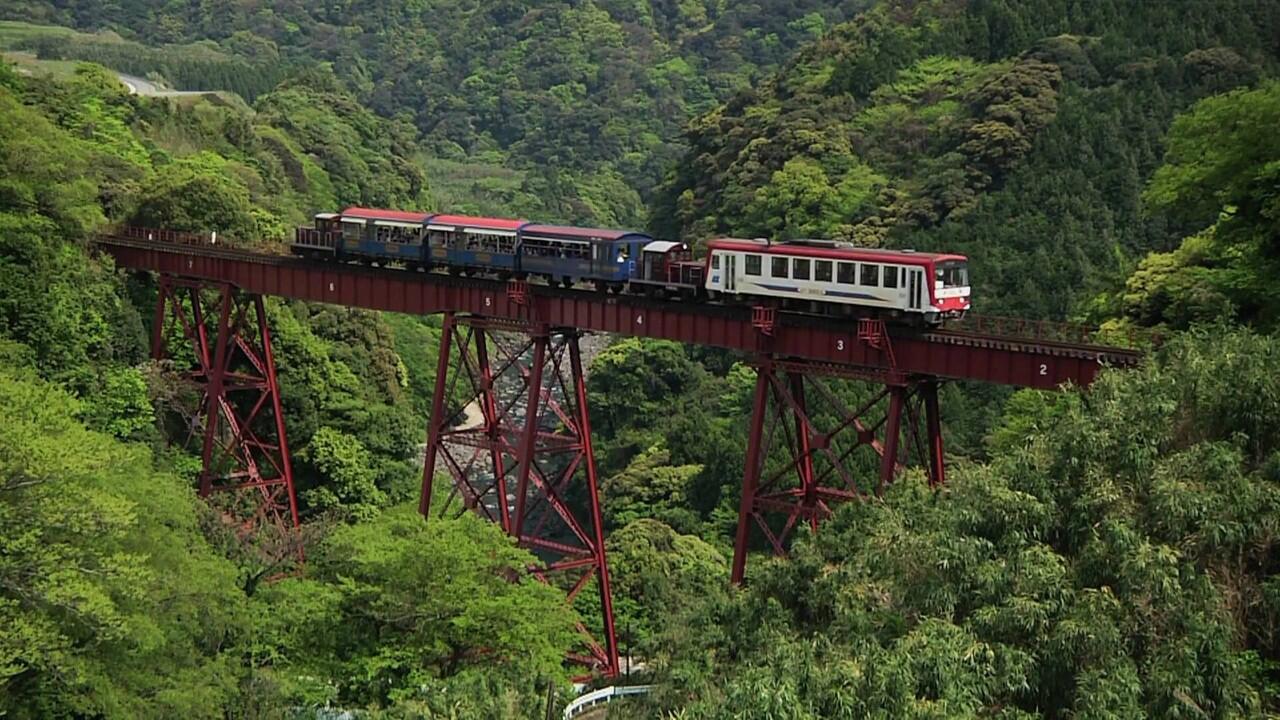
800,269
779,267
752,266
870,275
822,271
845,273
891,276
715,262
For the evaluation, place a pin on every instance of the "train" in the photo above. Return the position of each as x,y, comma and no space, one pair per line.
813,276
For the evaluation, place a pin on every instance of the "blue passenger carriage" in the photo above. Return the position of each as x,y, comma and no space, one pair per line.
469,244
572,254
383,235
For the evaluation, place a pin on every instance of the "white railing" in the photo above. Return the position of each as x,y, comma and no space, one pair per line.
603,695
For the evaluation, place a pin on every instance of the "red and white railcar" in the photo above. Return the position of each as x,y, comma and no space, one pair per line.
825,276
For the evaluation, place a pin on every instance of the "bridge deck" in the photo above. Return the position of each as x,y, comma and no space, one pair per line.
959,355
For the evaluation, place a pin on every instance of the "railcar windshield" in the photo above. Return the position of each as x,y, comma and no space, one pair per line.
952,273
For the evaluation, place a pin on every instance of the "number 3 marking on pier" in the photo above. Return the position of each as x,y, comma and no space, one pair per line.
840,345
1044,369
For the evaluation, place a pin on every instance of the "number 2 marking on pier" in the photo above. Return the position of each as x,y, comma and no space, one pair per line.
1044,369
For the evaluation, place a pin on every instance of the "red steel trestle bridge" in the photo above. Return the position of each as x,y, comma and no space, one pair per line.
513,350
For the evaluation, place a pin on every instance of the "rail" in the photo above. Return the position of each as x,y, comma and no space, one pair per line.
599,697
1052,331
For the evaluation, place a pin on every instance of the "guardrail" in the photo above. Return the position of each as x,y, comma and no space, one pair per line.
1053,331
601,696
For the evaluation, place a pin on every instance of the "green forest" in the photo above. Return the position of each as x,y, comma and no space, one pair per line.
1109,552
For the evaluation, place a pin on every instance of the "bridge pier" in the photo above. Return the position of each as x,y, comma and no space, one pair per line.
515,450
804,441
246,470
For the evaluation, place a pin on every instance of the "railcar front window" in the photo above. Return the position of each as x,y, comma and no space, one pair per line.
952,274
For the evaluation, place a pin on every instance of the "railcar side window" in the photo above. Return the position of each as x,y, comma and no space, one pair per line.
715,262
891,276
800,269
822,270
779,267
845,274
870,275
752,266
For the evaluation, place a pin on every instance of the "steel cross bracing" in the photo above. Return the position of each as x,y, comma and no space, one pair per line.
518,452
808,448
246,470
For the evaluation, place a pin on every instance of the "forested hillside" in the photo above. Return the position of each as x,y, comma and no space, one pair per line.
1102,554
587,99
121,594
1022,134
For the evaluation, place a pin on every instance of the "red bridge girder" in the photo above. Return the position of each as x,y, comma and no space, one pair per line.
246,471
840,344
517,466
791,352
802,438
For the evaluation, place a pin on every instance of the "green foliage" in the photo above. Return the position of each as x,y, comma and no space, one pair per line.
365,157
120,405
1222,166
396,611
657,576
652,394
348,478
650,487
106,574
1110,562
197,194
45,171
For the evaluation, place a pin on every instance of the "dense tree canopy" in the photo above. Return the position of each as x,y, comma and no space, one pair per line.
1118,561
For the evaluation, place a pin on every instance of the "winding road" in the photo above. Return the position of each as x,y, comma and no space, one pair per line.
146,88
